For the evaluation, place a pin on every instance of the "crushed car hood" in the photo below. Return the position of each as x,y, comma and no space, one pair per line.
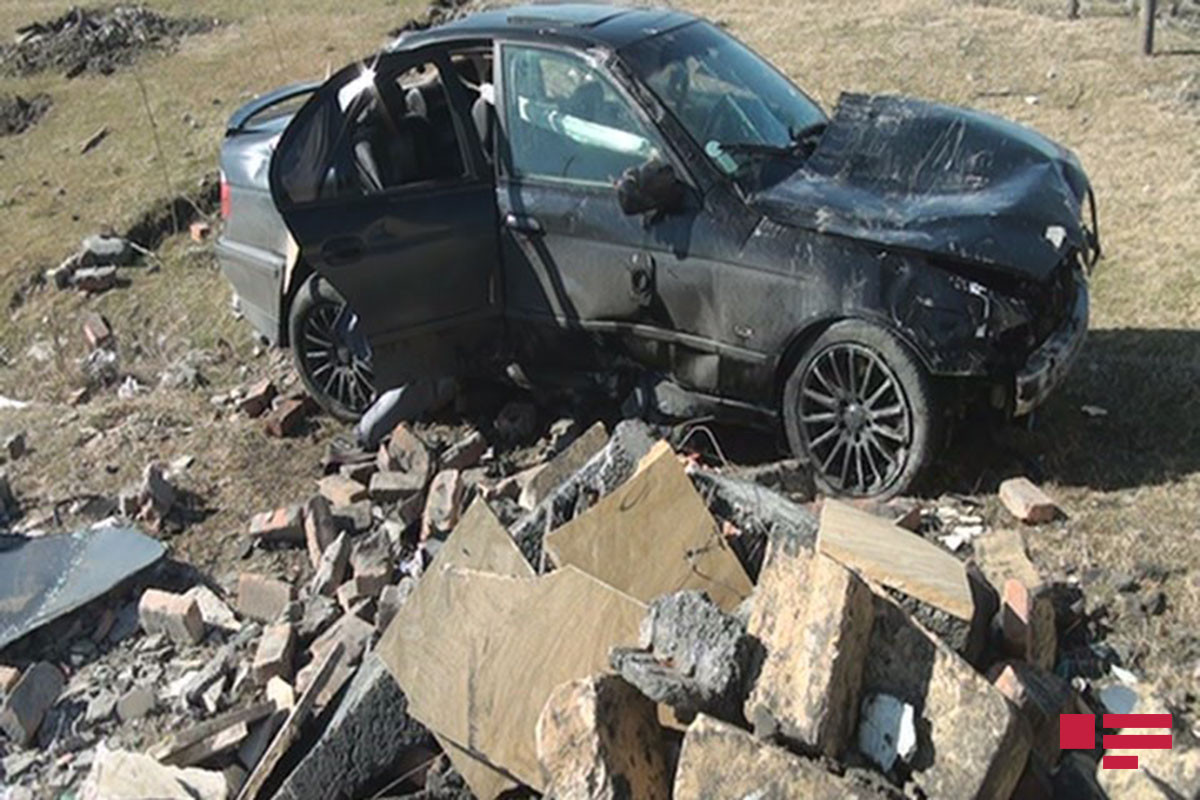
946,181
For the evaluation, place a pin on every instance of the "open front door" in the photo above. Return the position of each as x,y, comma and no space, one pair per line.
382,183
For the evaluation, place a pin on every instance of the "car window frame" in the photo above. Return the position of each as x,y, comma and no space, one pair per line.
602,65
390,66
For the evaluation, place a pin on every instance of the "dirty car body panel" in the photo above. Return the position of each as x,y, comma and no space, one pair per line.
965,237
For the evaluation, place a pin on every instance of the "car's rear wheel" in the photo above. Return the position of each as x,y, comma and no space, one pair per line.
860,407
334,367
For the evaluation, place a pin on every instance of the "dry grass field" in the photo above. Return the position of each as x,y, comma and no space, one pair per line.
1129,481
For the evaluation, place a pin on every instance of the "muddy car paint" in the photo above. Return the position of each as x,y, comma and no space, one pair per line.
961,234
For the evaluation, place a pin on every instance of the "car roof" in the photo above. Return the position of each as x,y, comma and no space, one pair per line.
578,24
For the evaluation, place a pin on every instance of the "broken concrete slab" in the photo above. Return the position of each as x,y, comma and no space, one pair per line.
598,738
122,775
176,615
972,742
763,517
262,598
651,536
31,697
366,741
563,465
691,656
720,761
896,558
49,576
813,617
604,471
418,660
1028,503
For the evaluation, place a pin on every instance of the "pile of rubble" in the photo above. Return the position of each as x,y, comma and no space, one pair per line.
94,40
616,621
18,114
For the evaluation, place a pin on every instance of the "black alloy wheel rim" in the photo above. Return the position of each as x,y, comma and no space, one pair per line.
331,362
855,420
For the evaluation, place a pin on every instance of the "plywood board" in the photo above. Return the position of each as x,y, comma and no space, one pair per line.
419,650
896,558
651,536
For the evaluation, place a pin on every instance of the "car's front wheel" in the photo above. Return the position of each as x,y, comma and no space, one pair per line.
860,407
334,367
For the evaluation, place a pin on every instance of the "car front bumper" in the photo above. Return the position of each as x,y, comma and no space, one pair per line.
1048,365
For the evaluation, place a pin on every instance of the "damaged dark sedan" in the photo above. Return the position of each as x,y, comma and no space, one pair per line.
593,188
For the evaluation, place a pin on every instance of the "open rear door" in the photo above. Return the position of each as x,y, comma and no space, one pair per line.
382,183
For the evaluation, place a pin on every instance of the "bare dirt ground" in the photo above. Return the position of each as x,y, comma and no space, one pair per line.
1129,481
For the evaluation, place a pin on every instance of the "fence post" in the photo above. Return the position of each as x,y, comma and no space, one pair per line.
1149,7
1073,9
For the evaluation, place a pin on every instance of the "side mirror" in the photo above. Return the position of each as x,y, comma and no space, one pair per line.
652,186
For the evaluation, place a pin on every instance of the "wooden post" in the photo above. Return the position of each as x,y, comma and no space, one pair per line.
1149,7
1073,9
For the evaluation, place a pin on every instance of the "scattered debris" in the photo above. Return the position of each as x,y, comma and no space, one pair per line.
19,114
92,142
94,40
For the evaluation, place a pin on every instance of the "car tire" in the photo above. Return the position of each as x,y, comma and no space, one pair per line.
340,382
860,407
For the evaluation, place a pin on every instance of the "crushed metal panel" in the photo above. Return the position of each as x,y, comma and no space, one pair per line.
651,536
49,576
955,182
887,554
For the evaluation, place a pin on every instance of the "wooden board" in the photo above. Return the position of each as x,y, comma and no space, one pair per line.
419,650
651,536
291,726
896,558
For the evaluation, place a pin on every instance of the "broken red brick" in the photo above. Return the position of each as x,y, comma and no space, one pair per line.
200,231
1027,623
96,329
281,525
444,503
258,398
340,490
1027,502
273,658
176,615
285,420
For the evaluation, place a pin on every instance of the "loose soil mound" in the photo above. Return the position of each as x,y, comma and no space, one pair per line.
18,114
95,40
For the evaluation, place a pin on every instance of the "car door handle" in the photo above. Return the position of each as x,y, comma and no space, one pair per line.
343,250
523,223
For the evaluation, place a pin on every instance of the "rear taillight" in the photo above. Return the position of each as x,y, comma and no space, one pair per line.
226,198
